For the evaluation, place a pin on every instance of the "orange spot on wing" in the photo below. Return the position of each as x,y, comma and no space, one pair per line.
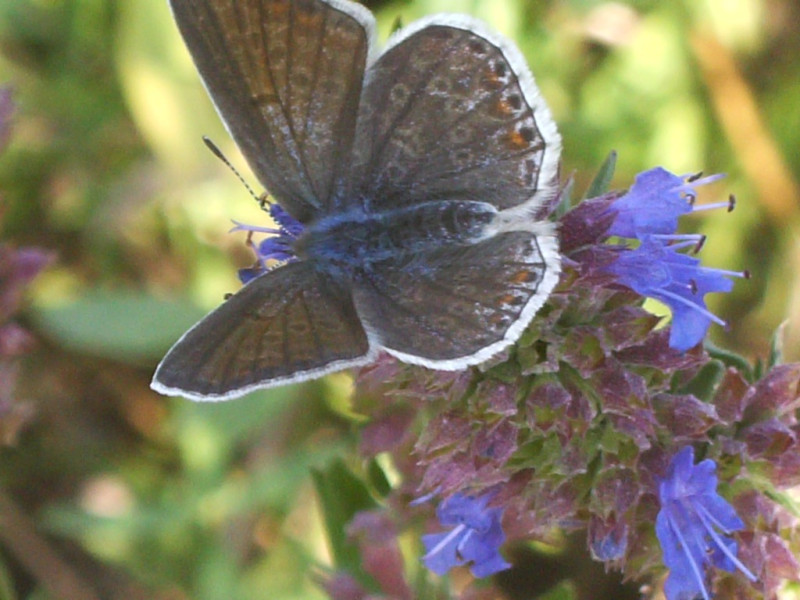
497,319
491,81
523,276
517,141
503,108
507,299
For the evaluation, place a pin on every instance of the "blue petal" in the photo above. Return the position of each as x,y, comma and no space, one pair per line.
721,560
611,546
670,545
658,271
684,558
681,466
655,202
689,326
446,557
481,547
247,275
459,508
476,537
722,512
682,586
692,526
490,567
652,206
702,478
685,268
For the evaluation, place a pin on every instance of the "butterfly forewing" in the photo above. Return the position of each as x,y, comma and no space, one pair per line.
457,306
286,77
448,113
287,325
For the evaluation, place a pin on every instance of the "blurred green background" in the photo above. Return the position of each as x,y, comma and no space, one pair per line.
121,493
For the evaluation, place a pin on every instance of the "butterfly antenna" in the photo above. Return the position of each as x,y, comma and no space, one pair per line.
218,153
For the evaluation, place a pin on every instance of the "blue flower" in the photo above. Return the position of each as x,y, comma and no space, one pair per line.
655,201
693,526
657,270
278,246
475,537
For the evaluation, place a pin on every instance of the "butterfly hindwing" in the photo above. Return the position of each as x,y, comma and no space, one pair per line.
452,307
289,324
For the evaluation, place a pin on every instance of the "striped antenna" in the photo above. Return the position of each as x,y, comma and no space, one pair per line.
218,153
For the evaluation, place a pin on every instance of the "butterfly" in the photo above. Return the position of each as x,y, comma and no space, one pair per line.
415,177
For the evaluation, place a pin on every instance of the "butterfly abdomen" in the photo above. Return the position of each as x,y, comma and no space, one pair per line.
357,239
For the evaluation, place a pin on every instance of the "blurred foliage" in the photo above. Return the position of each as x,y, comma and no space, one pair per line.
120,493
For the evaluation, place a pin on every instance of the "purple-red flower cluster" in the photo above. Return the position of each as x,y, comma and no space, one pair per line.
587,423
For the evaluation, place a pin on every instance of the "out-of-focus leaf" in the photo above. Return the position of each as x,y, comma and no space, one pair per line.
282,574
208,432
378,478
159,81
564,203
6,584
126,326
776,346
341,495
216,574
565,590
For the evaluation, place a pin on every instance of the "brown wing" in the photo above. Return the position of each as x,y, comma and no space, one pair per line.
458,306
290,324
286,77
451,111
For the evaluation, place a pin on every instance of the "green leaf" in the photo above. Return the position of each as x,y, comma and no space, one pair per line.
776,346
564,590
6,583
602,180
703,384
565,199
730,359
126,326
254,414
377,479
208,434
341,495
397,24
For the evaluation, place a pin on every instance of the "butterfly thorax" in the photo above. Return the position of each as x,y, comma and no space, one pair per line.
357,238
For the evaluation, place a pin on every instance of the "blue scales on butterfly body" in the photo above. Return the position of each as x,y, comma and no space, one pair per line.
356,239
